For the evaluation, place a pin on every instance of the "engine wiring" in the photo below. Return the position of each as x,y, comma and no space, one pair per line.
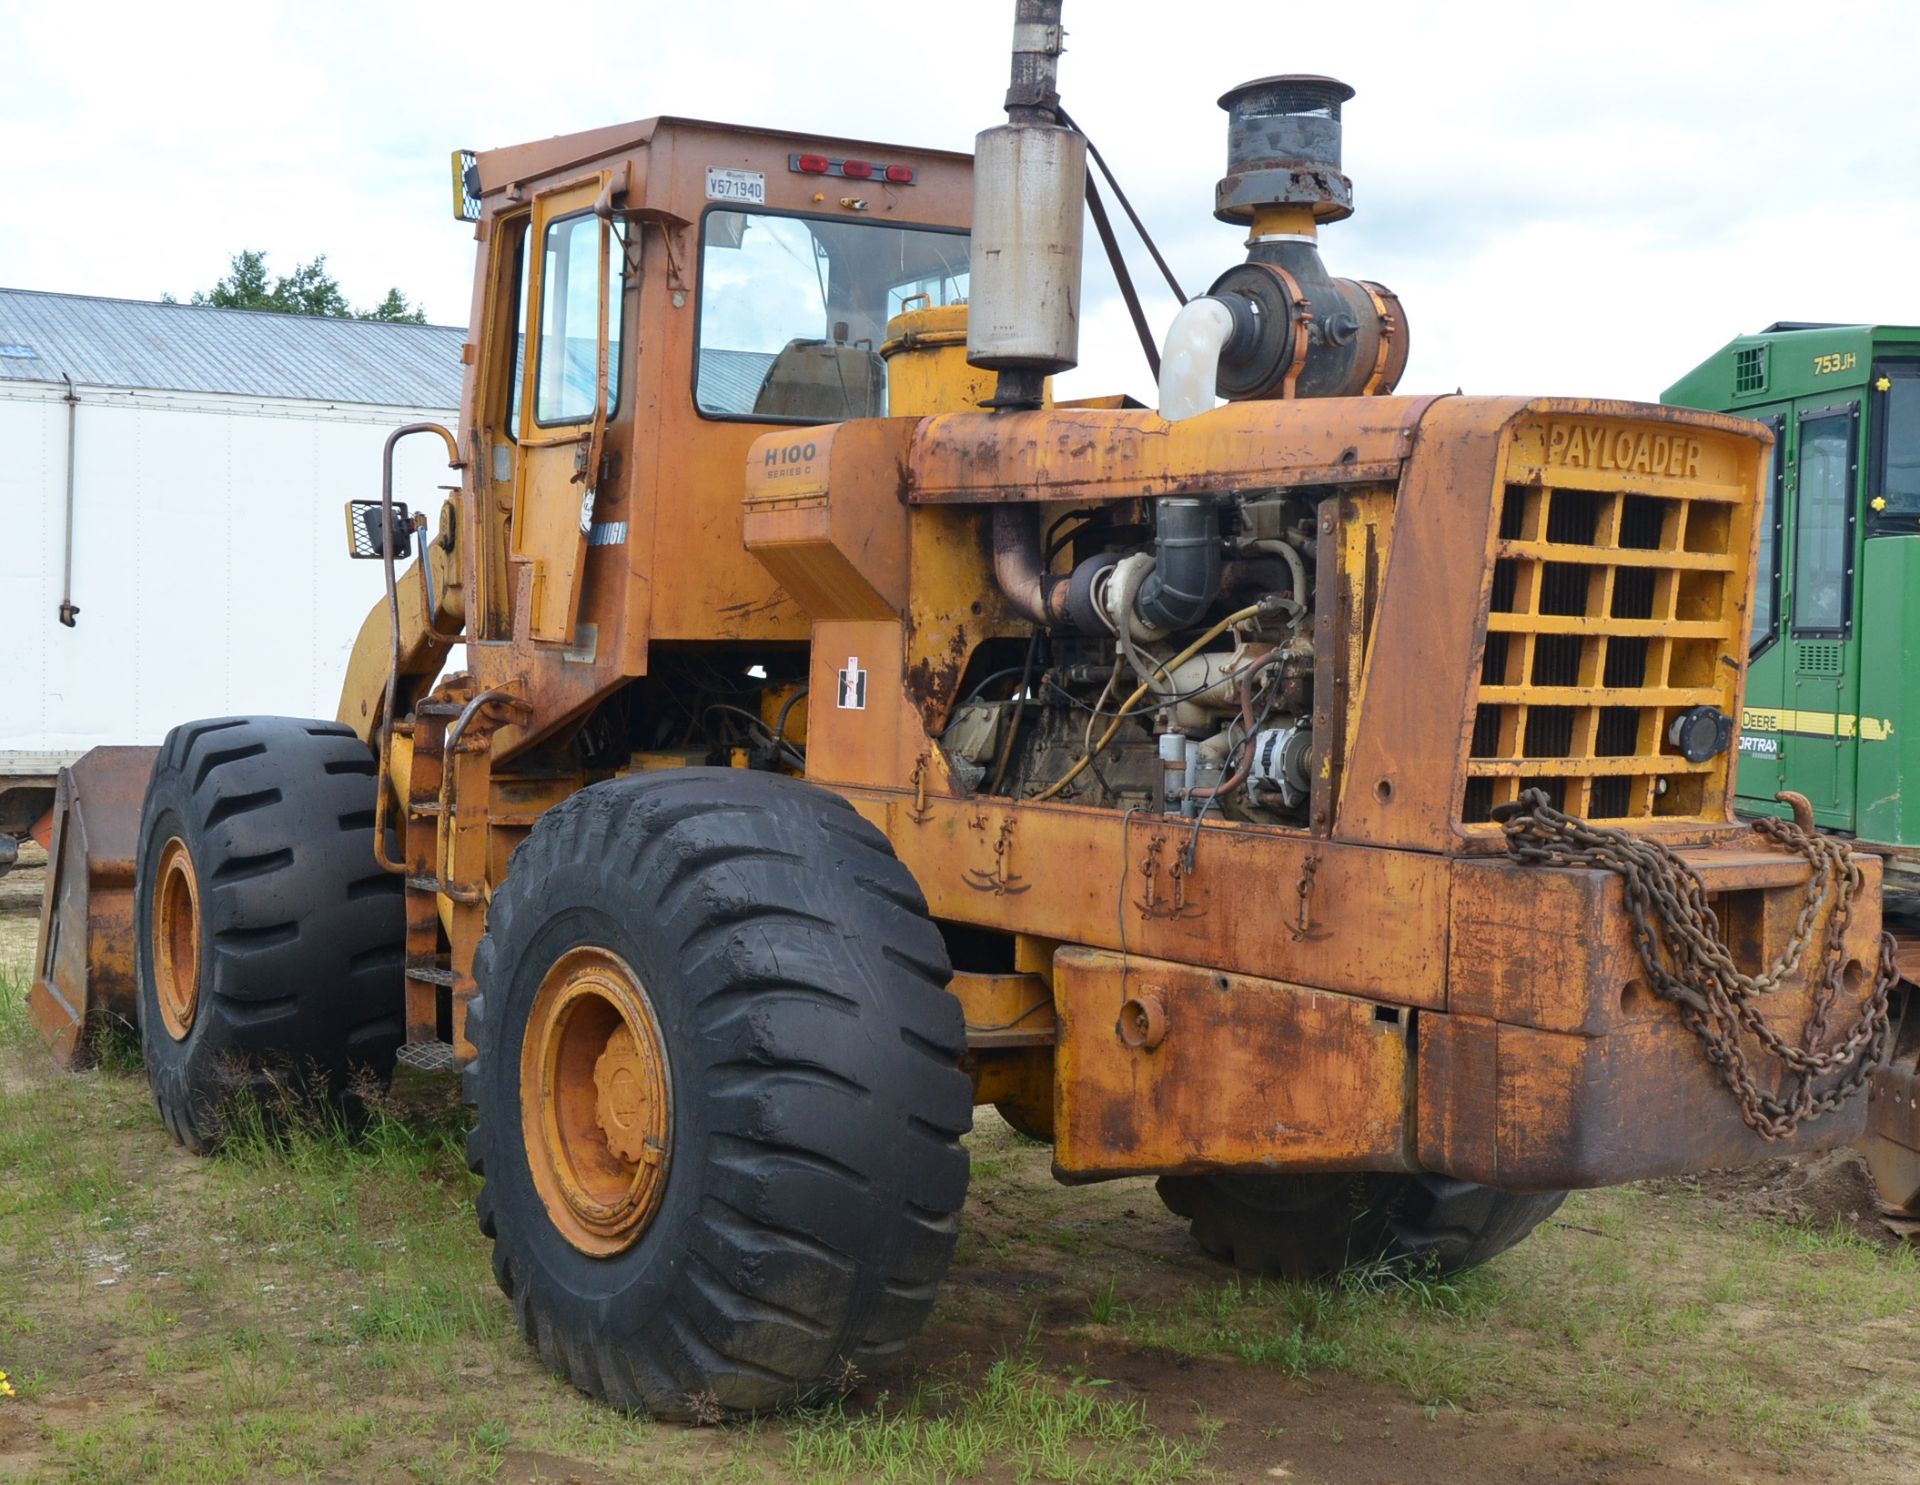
1239,616
1208,798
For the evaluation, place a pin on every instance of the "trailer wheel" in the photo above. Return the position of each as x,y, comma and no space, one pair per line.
1312,1227
268,943
718,1106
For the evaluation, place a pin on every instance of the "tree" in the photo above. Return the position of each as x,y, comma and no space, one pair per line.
311,290
395,307
308,290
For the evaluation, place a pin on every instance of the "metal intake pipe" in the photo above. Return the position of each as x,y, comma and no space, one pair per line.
1018,567
1186,565
1183,585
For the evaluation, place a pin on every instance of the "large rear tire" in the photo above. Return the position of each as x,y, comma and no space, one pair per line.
1317,1226
268,943
718,1106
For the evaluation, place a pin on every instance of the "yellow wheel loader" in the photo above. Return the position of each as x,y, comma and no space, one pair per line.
1318,800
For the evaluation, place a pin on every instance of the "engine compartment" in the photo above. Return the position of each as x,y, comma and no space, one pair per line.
1177,676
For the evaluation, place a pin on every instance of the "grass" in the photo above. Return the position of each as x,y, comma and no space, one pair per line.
1018,1419
317,1303
1371,1327
1758,1344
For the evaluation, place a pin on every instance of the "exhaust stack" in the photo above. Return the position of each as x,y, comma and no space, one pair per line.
1029,180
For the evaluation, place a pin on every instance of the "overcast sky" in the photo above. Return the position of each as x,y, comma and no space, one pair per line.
1580,198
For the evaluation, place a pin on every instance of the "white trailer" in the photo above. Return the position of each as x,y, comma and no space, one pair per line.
172,538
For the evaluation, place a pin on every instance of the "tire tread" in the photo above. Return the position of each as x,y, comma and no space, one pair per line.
830,1173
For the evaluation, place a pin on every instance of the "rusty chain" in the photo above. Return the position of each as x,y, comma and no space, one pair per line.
1677,934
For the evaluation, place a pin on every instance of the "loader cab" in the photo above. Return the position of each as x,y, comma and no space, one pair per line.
1831,711
651,298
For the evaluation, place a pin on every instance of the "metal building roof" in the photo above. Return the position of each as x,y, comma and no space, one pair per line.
197,348
730,380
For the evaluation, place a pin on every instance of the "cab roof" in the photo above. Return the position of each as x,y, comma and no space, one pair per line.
517,163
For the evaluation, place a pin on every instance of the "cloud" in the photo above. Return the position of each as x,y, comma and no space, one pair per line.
1567,198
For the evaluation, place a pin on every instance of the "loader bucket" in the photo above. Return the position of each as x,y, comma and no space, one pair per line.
83,962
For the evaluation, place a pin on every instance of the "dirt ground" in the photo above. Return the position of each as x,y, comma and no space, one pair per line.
326,1312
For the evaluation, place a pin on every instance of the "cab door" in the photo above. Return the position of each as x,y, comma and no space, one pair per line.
1818,743
573,387
1759,776
1889,607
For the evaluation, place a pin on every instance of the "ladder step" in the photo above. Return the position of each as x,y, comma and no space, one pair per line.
439,708
423,884
437,973
431,1057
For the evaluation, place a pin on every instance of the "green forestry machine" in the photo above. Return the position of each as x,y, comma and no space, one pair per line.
1832,708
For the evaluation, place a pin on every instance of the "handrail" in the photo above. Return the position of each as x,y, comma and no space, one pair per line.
443,827
383,773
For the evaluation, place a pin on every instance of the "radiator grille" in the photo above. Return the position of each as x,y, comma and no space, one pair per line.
1610,612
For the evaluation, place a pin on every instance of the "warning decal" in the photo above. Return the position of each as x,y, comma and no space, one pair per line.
853,686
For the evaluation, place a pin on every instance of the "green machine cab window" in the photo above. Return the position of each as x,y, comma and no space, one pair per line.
1893,496
1766,567
1824,517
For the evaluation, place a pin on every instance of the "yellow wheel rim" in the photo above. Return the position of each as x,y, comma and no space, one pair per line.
596,1101
176,940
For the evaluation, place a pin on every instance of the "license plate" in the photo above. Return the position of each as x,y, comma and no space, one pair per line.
748,187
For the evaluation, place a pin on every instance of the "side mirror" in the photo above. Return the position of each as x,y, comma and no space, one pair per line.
363,531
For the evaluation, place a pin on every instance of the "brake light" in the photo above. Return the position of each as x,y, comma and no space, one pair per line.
893,175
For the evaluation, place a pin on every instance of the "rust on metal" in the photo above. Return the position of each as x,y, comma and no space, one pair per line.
1143,1019
1091,454
1801,806
1893,1130
1091,892
1556,1066
1529,1109
84,970
596,1101
1231,1072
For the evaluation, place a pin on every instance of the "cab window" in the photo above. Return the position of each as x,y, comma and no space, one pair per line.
794,310
517,394
574,280
1823,525
1766,586
1896,503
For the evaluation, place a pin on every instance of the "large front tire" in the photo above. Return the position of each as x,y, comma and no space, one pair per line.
718,1106
1318,1226
269,945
